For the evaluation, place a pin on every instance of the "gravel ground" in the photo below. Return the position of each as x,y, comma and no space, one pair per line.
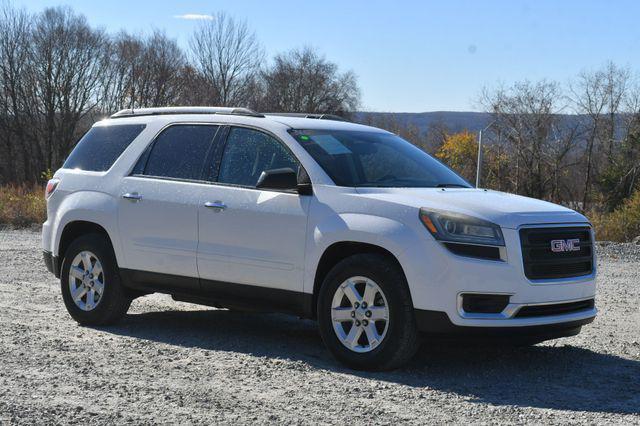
172,362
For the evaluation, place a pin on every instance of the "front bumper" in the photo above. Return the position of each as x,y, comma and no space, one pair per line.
438,278
436,323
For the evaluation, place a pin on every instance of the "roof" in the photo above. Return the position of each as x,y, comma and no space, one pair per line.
137,112
240,116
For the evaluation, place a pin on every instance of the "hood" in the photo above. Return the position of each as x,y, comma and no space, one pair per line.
506,210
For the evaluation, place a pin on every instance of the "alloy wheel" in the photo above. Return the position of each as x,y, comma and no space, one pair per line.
86,280
360,314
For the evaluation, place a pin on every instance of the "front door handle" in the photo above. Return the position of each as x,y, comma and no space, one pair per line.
216,205
132,196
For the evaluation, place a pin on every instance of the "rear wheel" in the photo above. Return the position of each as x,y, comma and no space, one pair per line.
90,282
366,315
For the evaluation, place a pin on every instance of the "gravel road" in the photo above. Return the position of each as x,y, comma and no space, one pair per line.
172,362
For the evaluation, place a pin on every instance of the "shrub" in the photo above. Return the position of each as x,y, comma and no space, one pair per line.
623,224
459,151
22,205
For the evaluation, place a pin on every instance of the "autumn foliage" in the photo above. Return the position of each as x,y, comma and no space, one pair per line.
460,151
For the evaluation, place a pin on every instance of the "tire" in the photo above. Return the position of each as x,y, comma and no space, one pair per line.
107,307
400,339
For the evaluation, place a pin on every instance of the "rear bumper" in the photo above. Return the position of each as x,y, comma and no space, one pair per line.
438,323
51,262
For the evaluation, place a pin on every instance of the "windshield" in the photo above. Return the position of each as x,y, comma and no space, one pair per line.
375,159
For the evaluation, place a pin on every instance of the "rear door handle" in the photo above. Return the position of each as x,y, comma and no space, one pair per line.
132,196
216,205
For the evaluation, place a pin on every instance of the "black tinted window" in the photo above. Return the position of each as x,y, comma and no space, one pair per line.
180,152
248,153
101,146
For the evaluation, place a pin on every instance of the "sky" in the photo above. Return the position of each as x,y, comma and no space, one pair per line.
411,56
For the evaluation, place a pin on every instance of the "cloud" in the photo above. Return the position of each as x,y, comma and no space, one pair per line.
194,17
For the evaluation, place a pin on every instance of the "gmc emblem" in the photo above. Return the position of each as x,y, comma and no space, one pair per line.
560,246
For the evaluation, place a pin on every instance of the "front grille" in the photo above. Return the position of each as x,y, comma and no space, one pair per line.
555,309
541,262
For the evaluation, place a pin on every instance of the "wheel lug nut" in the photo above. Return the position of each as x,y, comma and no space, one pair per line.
353,314
356,305
357,323
368,313
364,305
365,323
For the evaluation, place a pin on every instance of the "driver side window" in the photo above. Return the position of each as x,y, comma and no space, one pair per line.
248,153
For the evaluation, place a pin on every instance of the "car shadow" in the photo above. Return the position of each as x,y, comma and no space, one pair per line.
561,377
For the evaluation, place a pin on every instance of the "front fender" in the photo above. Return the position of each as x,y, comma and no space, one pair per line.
392,235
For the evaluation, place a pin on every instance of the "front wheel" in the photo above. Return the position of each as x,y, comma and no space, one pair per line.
90,282
365,314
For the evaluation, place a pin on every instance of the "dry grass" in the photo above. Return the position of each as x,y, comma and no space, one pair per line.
22,205
622,225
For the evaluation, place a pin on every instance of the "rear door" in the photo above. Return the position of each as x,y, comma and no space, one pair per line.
158,211
249,236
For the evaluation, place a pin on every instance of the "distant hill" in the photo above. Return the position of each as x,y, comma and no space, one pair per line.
457,121
453,120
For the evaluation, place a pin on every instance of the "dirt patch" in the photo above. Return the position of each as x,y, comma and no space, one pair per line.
172,362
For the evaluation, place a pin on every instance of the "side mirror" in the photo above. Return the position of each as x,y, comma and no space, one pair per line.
284,178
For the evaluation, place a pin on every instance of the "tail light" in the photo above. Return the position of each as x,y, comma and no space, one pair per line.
51,186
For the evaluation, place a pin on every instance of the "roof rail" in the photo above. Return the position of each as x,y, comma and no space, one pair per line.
137,112
308,115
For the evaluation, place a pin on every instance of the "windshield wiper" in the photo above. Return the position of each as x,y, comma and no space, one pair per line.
451,185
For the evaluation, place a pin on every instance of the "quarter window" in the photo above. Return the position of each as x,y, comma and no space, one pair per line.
248,153
101,146
179,152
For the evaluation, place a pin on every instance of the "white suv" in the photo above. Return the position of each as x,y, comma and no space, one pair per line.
314,216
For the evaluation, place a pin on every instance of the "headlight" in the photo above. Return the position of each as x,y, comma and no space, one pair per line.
459,228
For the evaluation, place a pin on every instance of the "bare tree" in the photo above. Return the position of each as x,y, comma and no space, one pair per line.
616,81
143,72
394,124
119,81
57,74
195,89
598,96
621,176
15,52
68,62
526,116
159,79
228,56
436,136
304,81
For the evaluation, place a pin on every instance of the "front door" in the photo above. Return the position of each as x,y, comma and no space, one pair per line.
251,237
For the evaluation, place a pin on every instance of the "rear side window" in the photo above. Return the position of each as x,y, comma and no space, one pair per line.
101,146
179,152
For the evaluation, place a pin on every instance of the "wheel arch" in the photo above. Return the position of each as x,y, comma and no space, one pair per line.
75,229
339,251
91,211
